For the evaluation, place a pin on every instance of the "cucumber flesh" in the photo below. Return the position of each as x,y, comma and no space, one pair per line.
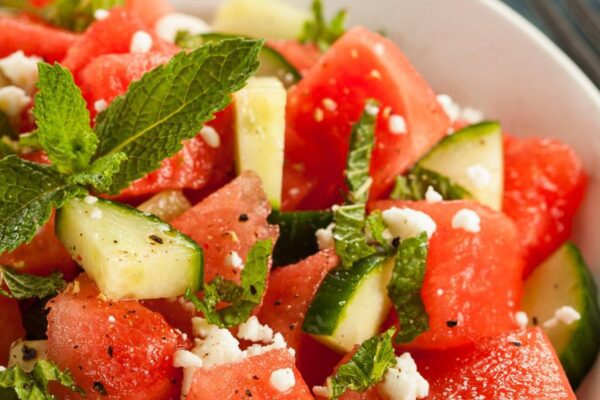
468,154
564,280
26,353
351,304
260,133
128,253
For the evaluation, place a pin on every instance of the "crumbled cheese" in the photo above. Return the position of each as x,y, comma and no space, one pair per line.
218,347
403,381
254,331
406,222
432,196
13,100
397,124
100,105
320,391
210,136
186,359
21,70
96,213
233,259
111,319
101,14
90,199
479,175
200,327
141,42
168,26
522,319
439,292
283,379
325,237
471,115
277,343
318,115
455,112
467,220
329,104
372,109
379,49
375,74
565,314
2,368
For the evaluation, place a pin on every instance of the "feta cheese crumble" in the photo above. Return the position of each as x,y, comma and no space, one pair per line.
96,213
565,314
325,237
403,381
21,70
90,200
329,104
254,331
168,26
379,49
372,109
111,319
406,222
432,196
13,100
141,42
522,319
479,175
397,124
210,136
320,391
100,105
467,220
101,14
233,259
186,359
455,112
283,379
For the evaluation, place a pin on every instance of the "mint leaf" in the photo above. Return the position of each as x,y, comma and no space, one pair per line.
366,368
75,15
28,192
171,103
63,121
6,128
405,286
362,139
242,299
319,31
415,184
349,234
7,147
20,385
375,227
99,175
25,286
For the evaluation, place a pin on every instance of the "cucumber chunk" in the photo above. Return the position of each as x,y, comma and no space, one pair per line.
351,304
473,158
269,19
26,353
564,280
128,253
260,133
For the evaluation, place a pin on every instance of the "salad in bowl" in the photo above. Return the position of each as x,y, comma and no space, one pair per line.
271,205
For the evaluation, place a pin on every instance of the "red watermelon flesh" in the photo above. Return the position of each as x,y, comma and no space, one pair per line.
149,11
12,327
300,55
473,279
122,345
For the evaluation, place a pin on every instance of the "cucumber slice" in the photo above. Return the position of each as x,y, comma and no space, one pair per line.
26,353
564,280
128,253
166,205
297,234
472,151
269,19
260,133
351,304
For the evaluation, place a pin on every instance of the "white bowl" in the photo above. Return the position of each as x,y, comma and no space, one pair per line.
484,54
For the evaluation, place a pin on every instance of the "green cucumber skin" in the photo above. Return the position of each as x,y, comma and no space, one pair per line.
467,133
579,355
297,234
338,288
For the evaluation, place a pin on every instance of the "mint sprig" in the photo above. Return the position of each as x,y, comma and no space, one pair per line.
414,185
319,31
242,298
20,385
26,286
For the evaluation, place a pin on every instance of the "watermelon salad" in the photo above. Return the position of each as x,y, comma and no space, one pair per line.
272,205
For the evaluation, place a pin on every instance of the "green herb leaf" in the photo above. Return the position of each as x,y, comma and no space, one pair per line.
171,103
75,15
28,192
63,121
405,286
99,175
321,32
25,286
349,234
20,385
242,299
375,227
6,128
366,368
415,184
7,147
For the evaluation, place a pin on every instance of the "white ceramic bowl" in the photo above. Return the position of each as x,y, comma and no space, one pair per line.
484,54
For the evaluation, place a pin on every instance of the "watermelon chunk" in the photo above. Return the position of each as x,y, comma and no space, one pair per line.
12,326
149,11
472,283
120,348
231,219
301,56
248,379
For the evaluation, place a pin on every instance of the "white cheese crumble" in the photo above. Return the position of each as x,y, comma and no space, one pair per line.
329,104
21,70
210,136
13,100
233,259
403,381
439,292
90,200
320,391
254,331
325,237
379,49
111,319
565,314
101,14
168,26
471,115
406,222
372,109
467,220
96,213
141,42
186,359
432,196
455,112
397,124
479,175
218,347
522,319
375,74
277,343
100,105
283,379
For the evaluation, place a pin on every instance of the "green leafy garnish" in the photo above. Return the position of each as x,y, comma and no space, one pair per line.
405,286
415,184
7,147
375,228
366,368
242,299
100,174
349,234
319,31
26,286
16,384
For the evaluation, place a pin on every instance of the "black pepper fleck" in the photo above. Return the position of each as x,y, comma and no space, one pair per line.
248,393
29,353
534,321
253,290
156,239
99,387
243,217
277,303
396,242
291,326
451,323
109,350
255,378
516,344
